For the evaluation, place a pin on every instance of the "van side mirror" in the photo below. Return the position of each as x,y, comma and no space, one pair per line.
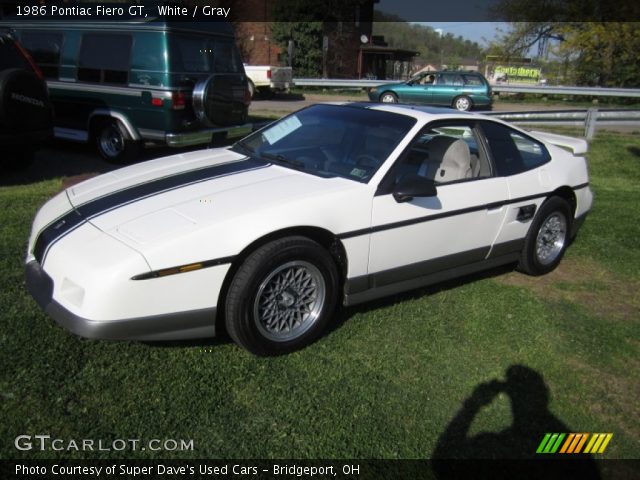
411,186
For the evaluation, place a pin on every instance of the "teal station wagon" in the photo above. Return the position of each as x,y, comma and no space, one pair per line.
120,85
460,90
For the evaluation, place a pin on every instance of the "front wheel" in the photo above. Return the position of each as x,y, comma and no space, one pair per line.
389,97
462,103
282,297
547,238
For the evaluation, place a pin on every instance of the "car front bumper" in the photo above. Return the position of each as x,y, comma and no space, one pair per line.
171,326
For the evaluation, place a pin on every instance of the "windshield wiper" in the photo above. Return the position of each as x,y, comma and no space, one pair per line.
282,159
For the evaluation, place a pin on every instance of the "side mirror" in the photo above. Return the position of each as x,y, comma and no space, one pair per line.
411,186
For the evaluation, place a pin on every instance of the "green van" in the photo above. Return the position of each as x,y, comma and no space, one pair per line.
121,85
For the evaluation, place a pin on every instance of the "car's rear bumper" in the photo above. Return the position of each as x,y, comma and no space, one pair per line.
171,326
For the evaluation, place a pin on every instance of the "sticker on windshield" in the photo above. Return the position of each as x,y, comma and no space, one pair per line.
281,130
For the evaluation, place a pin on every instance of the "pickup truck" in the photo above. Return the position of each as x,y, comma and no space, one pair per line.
266,79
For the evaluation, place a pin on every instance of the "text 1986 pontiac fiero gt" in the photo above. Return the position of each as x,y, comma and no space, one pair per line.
334,204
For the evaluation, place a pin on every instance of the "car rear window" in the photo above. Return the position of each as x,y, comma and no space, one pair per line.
203,54
10,56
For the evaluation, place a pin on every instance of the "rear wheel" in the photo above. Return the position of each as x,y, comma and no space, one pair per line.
462,103
547,238
282,297
115,144
389,97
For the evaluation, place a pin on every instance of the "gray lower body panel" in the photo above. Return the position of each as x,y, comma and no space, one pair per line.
170,326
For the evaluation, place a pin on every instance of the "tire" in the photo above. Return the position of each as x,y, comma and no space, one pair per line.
462,103
114,143
547,239
389,97
24,102
250,311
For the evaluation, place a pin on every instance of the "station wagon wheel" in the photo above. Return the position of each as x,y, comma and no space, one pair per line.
389,97
114,143
548,237
462,103
282,296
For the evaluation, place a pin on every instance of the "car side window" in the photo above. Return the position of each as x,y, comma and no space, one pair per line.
45,49
444,153
472,80
104,58
512,151
449,79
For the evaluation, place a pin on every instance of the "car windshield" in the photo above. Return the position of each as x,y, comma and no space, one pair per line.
330,140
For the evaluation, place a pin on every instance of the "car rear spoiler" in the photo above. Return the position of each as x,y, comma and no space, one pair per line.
578,146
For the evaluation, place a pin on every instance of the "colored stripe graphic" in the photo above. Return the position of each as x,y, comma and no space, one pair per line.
81,214
574,443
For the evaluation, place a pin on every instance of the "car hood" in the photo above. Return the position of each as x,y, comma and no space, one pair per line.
163,200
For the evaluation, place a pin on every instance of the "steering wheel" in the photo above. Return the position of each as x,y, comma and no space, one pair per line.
366,160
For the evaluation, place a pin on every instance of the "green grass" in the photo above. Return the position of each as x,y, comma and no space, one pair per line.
385,383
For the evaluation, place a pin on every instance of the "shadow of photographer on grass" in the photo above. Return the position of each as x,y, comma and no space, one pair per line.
510,453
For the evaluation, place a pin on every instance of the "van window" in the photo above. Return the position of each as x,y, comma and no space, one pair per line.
104,58
200,54
10,56
45,49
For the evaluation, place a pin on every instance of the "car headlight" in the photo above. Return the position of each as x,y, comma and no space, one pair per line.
373,90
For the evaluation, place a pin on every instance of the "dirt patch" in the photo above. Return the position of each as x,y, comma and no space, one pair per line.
611,395
75,179
587,283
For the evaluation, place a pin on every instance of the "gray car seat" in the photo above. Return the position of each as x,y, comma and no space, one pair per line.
449,160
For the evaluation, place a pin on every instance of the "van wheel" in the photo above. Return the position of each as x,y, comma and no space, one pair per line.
115,144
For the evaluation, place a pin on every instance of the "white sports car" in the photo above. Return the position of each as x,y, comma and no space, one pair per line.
334,204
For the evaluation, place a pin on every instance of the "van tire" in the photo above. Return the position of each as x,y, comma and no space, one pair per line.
114,143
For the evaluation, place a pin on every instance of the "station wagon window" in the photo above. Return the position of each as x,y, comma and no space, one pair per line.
512,151
472,80
104,58
45,49
200,54
449,79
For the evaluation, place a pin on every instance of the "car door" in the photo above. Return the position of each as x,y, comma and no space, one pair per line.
446,88
521,160
432,234
417,90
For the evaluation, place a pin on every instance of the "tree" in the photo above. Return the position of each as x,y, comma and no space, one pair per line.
595,52
307,40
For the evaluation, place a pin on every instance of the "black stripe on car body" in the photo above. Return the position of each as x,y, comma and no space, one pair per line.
82,213
437,216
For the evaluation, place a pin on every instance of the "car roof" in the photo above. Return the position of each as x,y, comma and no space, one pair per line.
421,112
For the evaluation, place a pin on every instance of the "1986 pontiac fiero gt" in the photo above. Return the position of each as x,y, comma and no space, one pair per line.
333,204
